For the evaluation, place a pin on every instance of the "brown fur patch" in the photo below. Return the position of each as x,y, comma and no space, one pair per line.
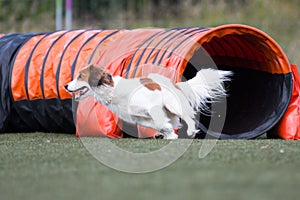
83,75
95,75
150,84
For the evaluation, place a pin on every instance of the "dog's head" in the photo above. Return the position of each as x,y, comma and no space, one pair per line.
89,78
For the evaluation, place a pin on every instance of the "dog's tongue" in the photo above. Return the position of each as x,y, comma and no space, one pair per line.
80,93
77,95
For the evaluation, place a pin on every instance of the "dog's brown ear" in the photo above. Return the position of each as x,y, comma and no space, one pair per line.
95,78
99,76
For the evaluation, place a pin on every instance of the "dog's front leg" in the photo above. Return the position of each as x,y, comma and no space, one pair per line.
162,123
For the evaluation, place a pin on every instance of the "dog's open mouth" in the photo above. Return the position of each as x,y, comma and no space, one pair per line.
80,92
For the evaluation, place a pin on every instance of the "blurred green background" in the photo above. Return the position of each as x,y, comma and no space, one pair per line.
278,18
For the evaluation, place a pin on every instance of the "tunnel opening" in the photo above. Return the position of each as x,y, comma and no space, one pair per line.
259,91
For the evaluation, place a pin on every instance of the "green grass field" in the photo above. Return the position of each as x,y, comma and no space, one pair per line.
58,166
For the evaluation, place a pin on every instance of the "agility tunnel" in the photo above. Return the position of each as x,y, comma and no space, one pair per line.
36,66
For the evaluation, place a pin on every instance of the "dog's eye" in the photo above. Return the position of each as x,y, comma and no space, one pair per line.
100,82
80,76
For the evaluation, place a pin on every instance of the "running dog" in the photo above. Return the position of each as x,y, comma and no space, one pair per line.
153,101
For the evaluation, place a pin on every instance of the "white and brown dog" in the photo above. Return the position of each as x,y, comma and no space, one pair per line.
152,101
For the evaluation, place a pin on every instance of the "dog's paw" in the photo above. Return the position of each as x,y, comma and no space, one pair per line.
192,133
158,136
166,136
171,136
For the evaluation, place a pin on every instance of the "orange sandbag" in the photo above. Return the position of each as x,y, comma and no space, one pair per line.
288,127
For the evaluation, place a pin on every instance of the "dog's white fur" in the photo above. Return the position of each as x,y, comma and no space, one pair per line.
153,102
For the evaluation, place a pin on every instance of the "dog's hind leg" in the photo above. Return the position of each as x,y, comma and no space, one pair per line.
191,126
161,122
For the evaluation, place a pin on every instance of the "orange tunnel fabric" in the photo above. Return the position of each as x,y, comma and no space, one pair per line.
45,62
288,127
243,49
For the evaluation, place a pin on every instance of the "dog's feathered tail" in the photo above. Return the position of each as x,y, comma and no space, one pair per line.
206,87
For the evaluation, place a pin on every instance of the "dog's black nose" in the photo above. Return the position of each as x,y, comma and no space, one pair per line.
66,86
159,136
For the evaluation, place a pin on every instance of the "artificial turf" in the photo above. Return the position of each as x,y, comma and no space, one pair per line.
58,166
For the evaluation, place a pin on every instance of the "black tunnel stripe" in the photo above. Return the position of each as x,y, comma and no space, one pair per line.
9,47
42,107
65,103
173,34
170,41
143,43
106,37
166,31
27,120
75,104
162,56
61,59
14,58
148,41
132,57
35,115
45,60
137,64
179,34
201,29
78,53
29,61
